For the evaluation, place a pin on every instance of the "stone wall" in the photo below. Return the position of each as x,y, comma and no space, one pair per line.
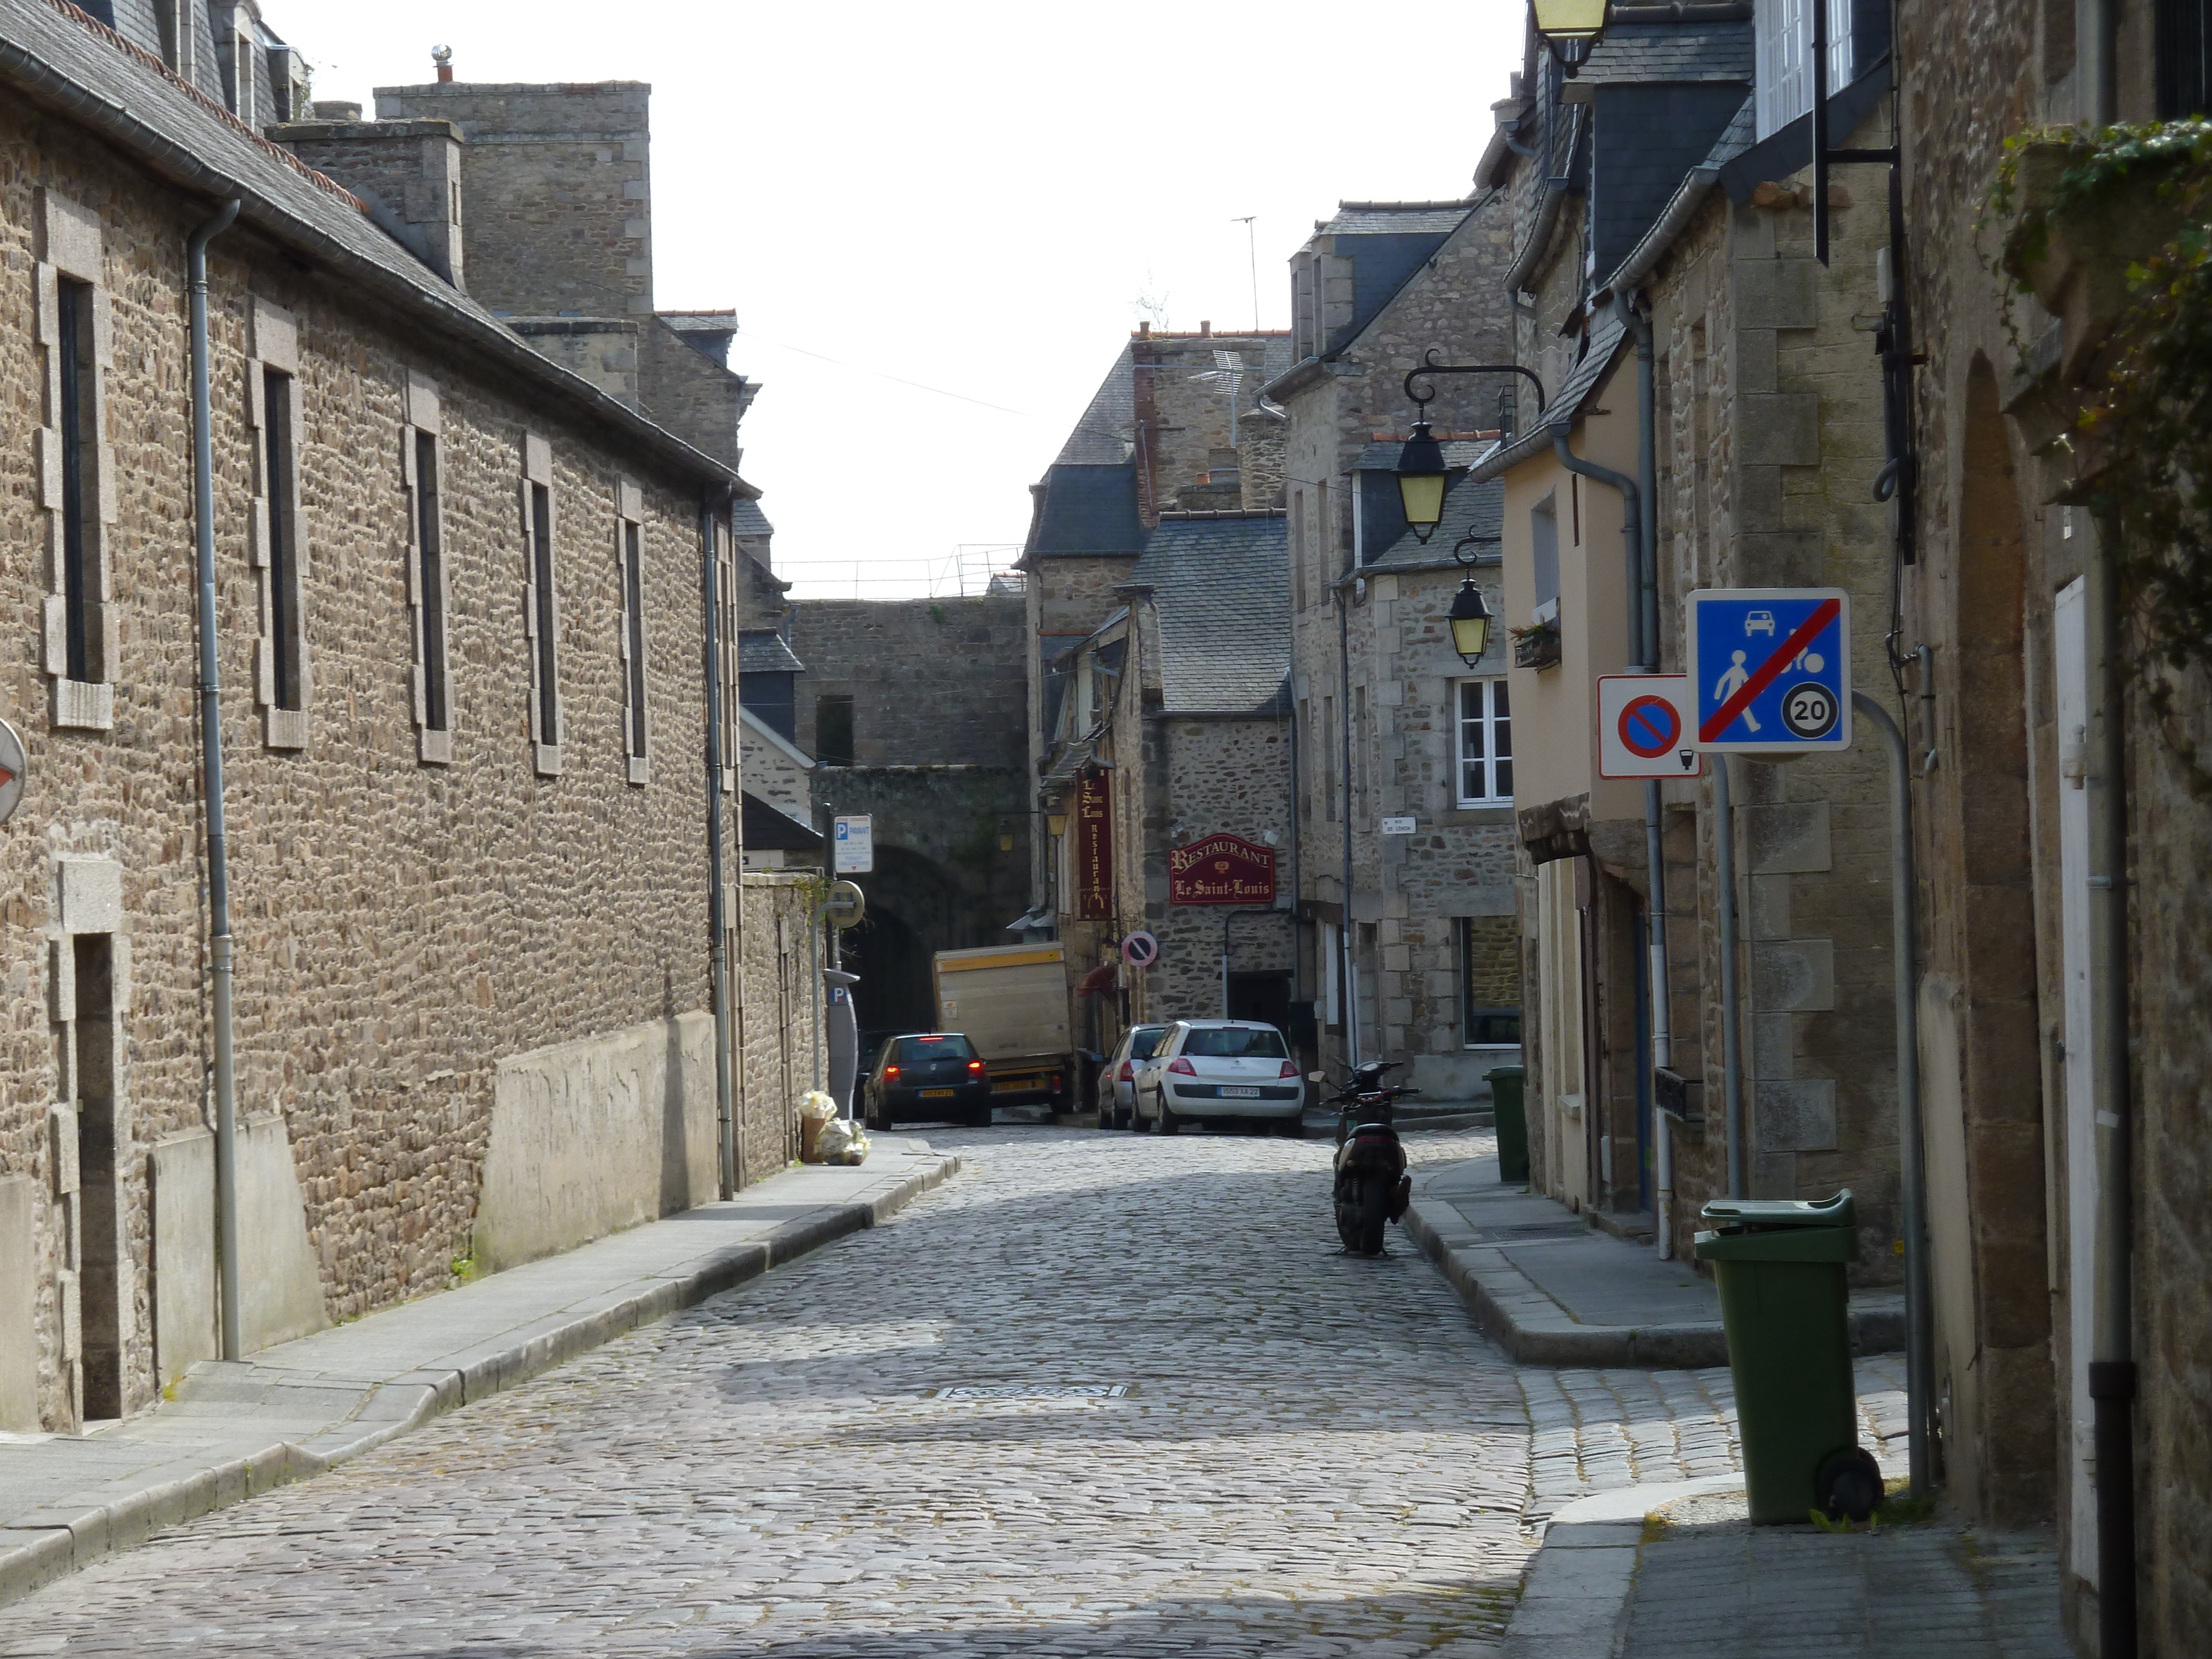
775,1026
401,927
934,682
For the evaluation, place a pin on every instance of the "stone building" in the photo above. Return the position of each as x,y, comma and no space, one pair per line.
1404,834
459,620
912,710
1173,734
2062,824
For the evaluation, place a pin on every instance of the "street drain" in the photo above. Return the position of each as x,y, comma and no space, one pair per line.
1031,1391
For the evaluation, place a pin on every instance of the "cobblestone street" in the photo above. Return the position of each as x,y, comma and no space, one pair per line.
1316,1454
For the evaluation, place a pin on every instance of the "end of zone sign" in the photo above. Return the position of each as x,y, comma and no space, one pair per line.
1643,727
1770,669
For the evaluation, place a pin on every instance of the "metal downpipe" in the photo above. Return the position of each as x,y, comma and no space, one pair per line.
1347,956
1731,1036
718,955
1919,1338
218,856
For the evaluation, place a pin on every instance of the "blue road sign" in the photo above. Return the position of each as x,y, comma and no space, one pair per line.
1770,669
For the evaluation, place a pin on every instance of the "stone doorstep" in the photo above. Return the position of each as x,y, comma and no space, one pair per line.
1536,1329
40,1546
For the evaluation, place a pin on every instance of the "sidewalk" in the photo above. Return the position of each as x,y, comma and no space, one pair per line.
1551,1291
231,1429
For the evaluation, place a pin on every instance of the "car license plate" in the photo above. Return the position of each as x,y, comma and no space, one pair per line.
1232,1092
937,1094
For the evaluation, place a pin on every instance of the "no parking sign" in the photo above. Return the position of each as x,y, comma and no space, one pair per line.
1643,727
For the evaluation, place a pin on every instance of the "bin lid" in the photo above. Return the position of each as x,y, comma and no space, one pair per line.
1758,1214
1497,1071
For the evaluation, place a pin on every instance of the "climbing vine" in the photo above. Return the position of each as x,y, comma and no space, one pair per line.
2145,429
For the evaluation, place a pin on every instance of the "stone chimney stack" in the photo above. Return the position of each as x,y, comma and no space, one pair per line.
408,172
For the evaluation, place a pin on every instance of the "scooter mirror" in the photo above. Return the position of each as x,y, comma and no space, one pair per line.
1316,1077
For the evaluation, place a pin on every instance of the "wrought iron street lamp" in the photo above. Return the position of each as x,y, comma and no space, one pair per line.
1470,617
1421,462
1571,28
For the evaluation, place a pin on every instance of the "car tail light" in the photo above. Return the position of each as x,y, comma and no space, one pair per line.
975,1065
1289,1069
1129,1073
889,1071
1182,1067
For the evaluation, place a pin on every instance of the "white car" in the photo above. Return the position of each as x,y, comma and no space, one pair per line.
1220,1071
1117,1079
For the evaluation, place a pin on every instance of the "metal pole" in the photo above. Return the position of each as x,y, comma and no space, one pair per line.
1344,731
718,959
1731,1051
218,855
1226,916
1919,1343
1663,1037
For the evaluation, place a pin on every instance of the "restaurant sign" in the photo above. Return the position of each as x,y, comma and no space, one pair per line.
1221,870
1094,848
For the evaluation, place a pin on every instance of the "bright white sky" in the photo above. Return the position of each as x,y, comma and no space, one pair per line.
969,197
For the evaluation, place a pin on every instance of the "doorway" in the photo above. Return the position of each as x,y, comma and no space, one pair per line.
1265,998
99,1254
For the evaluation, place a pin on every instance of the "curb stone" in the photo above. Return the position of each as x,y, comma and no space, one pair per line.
1574,1600
57,1542
1535,1330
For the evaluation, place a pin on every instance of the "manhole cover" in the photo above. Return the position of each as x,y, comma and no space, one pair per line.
1031,1391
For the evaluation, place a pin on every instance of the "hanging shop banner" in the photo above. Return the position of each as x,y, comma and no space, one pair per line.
1221,870
1094,848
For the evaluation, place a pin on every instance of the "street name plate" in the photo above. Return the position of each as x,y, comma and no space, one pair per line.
1031,1391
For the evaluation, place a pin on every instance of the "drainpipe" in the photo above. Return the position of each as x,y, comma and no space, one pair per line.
1919,1343
1731,1045
2112,1363
718,958
218,855
1349,977
1654,869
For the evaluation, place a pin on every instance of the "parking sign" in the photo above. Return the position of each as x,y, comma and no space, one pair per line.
855,852
1643,727
1770,669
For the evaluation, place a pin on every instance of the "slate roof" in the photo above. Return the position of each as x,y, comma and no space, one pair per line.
1089,509
764,651
1382,455
767,829
1224,612
1395,219
123,91
1647,139
1470,509
1103,434
1605,343
1672,51
746,519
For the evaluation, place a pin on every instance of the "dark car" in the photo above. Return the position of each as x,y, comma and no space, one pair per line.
933,1075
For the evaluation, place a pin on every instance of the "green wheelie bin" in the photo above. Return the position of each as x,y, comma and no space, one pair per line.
1780,1264
1512,1120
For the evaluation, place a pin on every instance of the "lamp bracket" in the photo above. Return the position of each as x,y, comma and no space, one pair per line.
1429,368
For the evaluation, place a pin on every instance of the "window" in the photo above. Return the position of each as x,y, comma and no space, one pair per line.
833,731
1234,1043
629,520
1328,757
1544,559
426,573
541,604
283,673
2183,59
1489,982
1308,741
726,577
75,486
1785,31
177,47
1485,745
1299,548
1362,745
908,1049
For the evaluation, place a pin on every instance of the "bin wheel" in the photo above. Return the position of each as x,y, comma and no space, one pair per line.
1848,1483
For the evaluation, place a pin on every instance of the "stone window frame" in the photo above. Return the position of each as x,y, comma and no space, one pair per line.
425,419
72,250
637,713
273,348
1490,760
541,604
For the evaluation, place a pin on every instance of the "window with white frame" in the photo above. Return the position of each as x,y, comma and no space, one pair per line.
75,469
1484,729
629,554
1785,32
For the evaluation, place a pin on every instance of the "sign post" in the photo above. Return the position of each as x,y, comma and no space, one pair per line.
855,840
1643,727
1771,670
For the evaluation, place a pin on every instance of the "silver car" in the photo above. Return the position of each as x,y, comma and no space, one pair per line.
1117,1078
1220,1071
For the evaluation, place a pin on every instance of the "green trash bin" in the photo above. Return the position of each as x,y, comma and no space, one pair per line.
1783,1298
1512,1119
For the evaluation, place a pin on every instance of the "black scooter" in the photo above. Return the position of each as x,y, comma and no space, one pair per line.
1372,1186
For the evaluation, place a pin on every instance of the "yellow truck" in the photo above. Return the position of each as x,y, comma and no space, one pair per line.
1011,1002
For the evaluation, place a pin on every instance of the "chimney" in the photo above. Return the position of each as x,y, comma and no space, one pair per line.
443,58
408,172
1204,329
1144,330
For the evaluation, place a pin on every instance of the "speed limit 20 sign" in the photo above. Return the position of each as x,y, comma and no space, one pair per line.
1770,669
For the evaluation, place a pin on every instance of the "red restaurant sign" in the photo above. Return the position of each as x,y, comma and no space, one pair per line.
1221,870
1094,848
